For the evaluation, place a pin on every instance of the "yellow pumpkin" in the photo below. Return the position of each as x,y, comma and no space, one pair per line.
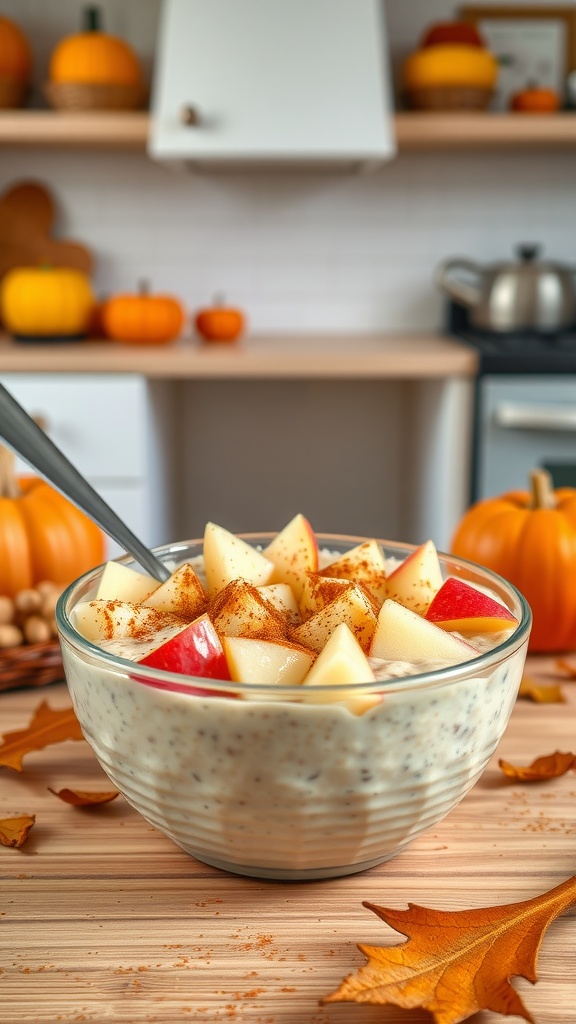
450,64
93,57
529,537
142,318
15,57
42,535
46,302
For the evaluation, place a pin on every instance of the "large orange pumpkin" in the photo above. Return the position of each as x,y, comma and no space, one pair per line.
15,56
42,535
529,537
94,57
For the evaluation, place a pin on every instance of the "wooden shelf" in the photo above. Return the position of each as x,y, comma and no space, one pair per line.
414,131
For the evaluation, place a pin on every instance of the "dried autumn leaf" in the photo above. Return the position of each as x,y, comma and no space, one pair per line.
566,667
46,726
540,693
14,831
456,963
550,766
82,798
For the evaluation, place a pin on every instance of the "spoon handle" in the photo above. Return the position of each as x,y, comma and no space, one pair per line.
27,439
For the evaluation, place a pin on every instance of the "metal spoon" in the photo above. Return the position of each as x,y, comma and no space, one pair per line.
27,439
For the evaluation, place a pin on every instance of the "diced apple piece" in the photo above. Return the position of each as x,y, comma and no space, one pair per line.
182,594
227,558
100,620
120,583
240,610
282,597
318,591
195,650
460,607
294,552
351,607
417,579
342,662
268,662
403,635
363,564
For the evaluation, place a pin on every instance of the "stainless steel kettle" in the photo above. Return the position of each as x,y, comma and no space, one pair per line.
527,294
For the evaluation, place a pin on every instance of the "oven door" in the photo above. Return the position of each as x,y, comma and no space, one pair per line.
523,422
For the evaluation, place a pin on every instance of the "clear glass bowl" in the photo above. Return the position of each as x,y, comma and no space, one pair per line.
289,783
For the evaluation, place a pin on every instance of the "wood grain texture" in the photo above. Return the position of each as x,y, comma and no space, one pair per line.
301,357
103,919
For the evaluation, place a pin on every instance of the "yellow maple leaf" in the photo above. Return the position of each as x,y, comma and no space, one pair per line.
457,963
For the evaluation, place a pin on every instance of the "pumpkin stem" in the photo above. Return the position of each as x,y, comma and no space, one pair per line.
8,483
542,489
92,19
144,288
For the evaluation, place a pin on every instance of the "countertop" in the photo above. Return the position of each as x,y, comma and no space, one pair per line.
104,919
401,356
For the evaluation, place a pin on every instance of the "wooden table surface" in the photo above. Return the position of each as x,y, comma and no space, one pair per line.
103,919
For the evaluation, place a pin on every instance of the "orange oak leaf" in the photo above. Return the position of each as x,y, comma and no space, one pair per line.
82,798
14,831
550,766
46,726
540,693
456,963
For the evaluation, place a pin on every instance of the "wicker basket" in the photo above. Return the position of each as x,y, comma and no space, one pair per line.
79,96
31,665
448,97
12,93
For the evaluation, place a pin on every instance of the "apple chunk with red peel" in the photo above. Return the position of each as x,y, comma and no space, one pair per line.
182,594
403,635
294,552
462,608
417,579
100,620
342,663
352,607
121,583
195,650
227,558
266,662
363,564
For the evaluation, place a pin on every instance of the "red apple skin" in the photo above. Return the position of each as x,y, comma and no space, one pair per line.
458,606
194,651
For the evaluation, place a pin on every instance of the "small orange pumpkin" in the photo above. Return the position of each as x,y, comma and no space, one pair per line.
42,535
529,537
94,57
219,322
535,99
143,318
15,56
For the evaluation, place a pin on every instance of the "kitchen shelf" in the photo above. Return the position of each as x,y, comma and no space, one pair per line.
414,131
301,357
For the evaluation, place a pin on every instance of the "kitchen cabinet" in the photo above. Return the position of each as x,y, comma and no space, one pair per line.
115,431
267,80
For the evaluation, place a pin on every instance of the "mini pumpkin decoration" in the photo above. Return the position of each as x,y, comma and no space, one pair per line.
143,318
15,64
219,322
42,535
46,302
529,537
535,99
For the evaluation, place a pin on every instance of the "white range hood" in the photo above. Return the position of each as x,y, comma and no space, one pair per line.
244,81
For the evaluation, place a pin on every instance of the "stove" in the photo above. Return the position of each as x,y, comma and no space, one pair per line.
524,406
527,351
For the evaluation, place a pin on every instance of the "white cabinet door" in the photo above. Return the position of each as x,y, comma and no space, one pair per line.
266,79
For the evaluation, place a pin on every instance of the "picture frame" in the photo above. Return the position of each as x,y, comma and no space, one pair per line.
534,45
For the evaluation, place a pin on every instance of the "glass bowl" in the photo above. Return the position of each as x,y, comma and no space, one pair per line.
289,782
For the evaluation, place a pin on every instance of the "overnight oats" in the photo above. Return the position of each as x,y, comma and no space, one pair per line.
295,705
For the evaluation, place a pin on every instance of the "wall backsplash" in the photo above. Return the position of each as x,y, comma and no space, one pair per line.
304,250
